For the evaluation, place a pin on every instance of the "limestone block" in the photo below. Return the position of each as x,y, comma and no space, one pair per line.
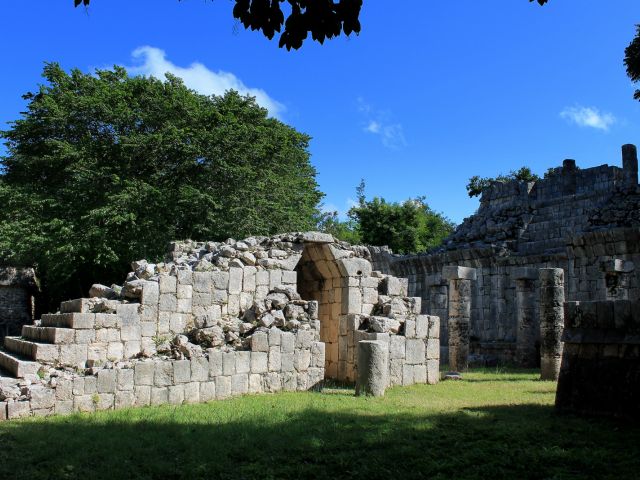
410,328
110,320
243,362
184,305
407,374
125,379
273,381
259,362
434,327
354,267
235,280
275,359
289,277
260,342
168,302
185,292
162,374
262,278
275,278
105,401
130,333
90,385
64,389
415,351
255,383
199,369
240,384
85,336
159,395
223,387
203,282
422,326
128,313
373,368
317,354
176,394
302,359
233,305
433,349
106,381
142,395
351,301
185,277
524,273
220,296
124,399
207,391
215,363
287,342
42,397
83,403
287,362
63,407
317,237
115,351
456,272
78,385
275,336
191,392
249,279
144,373
397,347
420,374
229,363
3,411
181,371
168,283
433,371
304,338
177,322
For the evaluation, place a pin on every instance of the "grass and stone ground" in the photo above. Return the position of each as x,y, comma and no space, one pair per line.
492,425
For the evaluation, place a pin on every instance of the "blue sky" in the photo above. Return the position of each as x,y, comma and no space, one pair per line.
429,94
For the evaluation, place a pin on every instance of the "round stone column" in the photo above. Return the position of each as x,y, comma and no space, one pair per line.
373,368
459,322
551,321
527,331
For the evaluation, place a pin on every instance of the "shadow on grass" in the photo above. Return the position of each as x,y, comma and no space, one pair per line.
510,442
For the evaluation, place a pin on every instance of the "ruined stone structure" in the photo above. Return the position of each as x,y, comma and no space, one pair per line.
584,221
17,289
219,319
600,372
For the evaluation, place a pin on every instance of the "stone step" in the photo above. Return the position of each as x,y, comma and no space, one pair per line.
16,366
89,305
40,352
56,335
69,320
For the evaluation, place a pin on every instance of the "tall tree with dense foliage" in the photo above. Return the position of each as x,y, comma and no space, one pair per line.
104,169
632,60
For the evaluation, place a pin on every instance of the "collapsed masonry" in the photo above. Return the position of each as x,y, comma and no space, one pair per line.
219,319
584,221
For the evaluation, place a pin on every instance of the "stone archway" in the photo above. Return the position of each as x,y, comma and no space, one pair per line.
331,276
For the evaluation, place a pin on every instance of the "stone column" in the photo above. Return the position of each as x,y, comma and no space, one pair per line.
630,164
527,331
373,367
551,321
616,277
437,302
460,279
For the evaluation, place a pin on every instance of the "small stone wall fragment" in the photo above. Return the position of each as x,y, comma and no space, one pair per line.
373,368
551,321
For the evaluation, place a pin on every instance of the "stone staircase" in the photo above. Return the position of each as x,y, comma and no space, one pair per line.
59,339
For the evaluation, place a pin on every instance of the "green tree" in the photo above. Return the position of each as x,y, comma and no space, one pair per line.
320,18
632,60
477,185
104,169
407,227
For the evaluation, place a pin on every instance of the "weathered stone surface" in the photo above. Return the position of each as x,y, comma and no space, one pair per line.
373,368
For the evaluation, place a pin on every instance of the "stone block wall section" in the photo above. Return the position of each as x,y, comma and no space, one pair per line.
277,361
262,314
584,221
17,289
600,370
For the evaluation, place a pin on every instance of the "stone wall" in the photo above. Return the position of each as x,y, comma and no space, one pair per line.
17,289
584,221
219,319
600,371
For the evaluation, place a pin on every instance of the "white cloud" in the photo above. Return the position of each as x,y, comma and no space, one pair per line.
588,117
153,62
378,122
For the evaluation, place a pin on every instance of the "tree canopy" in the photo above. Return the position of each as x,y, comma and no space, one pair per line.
320,18
407,227
477,184
632,60
104,169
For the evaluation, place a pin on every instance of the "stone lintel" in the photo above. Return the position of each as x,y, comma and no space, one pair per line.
458,273
317,237
617,265
525,273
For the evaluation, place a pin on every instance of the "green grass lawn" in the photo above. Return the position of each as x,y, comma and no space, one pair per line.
492,425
